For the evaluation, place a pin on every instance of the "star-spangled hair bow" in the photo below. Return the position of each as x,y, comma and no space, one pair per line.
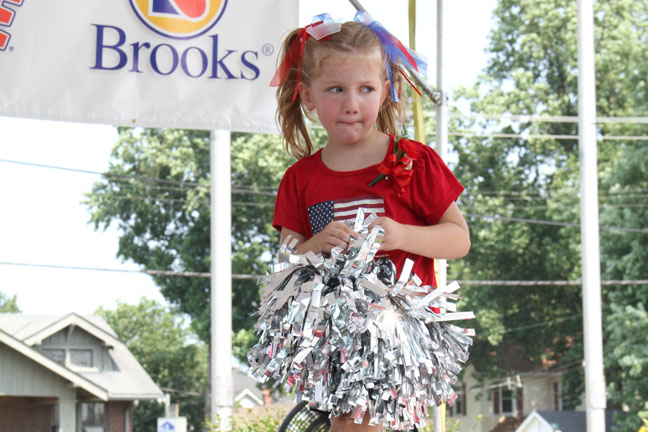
395,50
321,28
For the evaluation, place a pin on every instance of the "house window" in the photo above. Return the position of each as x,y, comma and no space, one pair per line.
508,401
93,417
81,357
459,406
58,355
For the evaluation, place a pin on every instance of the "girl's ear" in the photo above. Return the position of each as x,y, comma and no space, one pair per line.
386,92
306,96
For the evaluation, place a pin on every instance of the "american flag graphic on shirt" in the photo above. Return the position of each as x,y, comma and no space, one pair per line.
321,214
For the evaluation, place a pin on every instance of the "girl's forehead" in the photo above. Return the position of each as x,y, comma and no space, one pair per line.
364,59
352,56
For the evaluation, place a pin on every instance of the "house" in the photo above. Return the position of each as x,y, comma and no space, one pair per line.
67,373
248,394
563,421
501,405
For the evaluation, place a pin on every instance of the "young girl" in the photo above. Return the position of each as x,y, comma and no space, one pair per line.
345,76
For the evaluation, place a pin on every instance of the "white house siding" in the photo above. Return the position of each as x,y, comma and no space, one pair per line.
537,394
21,376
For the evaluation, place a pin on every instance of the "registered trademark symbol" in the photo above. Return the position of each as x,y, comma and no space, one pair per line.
267,49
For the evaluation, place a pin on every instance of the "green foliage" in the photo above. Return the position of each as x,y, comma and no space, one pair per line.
268,420
8,304
533,175
157,192
626,253
163,344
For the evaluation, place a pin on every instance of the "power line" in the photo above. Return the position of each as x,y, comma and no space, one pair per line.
541,118
266,191
144,179
111,270
108,175
546,222
573,191
171,273
546,136
273,194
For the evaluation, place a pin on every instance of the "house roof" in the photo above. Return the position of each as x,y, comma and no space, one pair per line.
129,382
58,369
565,421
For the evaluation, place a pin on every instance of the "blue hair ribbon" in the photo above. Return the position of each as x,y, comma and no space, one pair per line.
395,50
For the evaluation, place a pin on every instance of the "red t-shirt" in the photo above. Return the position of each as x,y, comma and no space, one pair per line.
311,195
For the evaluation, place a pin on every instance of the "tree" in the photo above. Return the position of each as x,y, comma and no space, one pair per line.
626,257
157,191
8,304
531,175
171,355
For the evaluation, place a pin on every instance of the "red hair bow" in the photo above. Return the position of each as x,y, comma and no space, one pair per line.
296,51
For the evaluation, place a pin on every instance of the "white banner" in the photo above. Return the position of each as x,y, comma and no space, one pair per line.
197,64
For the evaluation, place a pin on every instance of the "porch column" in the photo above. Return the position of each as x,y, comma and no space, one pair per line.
67,415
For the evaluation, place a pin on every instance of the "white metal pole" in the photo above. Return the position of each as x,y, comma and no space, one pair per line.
442,150
592,322
221,278
441,110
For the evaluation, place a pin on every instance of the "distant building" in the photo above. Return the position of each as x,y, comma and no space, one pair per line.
67,374
249,394
501,405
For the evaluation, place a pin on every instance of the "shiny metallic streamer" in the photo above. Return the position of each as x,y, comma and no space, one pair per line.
342,333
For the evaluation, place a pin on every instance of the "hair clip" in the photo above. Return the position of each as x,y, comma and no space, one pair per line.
395,50
321,28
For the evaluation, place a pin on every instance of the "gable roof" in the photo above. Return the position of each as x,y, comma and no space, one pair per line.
247,393
50,364
129,382
32,330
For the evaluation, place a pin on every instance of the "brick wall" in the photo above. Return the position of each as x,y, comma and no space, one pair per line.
116,416
25,414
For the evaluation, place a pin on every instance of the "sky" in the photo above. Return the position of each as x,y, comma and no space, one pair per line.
44,222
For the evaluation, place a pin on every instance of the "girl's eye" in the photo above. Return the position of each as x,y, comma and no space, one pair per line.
367,89
335,89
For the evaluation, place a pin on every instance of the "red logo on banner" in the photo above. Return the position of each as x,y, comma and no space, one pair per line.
6,19
179,19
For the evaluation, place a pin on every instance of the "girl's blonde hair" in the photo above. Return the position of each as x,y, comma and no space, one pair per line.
291,115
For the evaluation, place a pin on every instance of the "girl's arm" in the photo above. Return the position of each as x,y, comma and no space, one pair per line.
448,239
334,234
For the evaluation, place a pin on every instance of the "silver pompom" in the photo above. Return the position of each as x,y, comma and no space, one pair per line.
345,335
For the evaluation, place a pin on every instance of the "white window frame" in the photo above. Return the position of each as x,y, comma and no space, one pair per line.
513,398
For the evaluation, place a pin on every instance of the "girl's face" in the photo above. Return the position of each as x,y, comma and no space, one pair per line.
347,96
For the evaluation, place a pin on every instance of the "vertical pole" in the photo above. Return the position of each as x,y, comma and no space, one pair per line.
221,278
442,150
417,105
592,321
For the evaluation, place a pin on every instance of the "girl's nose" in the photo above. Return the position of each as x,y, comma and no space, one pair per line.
350,104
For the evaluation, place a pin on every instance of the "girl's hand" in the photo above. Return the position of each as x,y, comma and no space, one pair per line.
334,234
394,233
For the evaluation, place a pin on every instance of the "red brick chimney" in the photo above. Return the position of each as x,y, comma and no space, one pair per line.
267,397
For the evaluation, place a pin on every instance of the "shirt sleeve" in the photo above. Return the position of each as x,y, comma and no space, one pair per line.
433,184
286,211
